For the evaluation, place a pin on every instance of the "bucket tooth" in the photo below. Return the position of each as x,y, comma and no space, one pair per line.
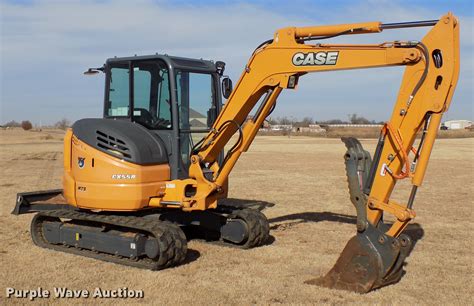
370,260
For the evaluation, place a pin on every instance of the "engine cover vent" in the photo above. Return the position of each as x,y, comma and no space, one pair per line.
112,144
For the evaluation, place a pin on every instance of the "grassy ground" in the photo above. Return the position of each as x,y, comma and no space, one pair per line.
301,182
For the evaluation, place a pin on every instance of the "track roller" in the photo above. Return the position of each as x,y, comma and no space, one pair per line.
250,221
126,240
226,225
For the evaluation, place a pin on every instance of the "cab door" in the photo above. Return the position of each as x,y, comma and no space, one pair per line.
199,103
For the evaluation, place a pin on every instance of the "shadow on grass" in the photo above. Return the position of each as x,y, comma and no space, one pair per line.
191,255
242,203
414,230
312,217
285,222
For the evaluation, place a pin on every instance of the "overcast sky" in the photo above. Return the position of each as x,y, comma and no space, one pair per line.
46,45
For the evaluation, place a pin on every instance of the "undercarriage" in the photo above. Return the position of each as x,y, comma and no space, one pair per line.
151,239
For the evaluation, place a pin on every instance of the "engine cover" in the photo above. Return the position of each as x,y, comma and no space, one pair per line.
113,165
124,139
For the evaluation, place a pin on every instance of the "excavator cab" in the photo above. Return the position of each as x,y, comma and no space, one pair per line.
155,109
177,99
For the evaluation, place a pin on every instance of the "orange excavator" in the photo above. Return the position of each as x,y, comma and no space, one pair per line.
152,172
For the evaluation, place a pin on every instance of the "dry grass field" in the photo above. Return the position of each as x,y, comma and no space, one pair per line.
301,182
364,132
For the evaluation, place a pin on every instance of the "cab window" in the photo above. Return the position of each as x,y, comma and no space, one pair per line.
196,104
151,93
118,92
195,99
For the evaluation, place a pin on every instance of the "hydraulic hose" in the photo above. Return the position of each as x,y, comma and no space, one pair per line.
423,76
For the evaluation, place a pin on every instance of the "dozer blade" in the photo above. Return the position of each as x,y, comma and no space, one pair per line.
370,260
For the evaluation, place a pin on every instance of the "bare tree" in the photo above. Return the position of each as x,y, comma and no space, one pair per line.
305,122
26,125
355,119
12,123
63,124
284,121
332,121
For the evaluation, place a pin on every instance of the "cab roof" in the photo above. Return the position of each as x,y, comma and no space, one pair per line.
172,61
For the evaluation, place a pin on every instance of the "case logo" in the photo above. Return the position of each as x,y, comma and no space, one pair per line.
81,162
315,58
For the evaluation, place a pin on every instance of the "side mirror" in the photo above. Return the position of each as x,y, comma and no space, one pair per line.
226,87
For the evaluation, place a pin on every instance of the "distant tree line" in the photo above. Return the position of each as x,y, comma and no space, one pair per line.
306,121
62,124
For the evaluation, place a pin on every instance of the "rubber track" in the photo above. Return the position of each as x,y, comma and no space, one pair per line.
171,239
258,227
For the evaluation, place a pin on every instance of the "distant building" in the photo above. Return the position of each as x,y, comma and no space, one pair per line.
456,124
281,127
312,128
352,125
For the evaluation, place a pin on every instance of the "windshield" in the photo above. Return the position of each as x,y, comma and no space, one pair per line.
151,94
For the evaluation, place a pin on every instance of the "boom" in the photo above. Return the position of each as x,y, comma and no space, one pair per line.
432,69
